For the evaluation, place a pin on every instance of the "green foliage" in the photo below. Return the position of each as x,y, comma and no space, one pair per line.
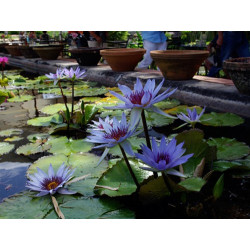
218,187
118,35
5,148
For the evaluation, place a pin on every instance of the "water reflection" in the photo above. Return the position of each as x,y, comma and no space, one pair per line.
12,178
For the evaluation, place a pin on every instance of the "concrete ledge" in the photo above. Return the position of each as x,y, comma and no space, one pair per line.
218,94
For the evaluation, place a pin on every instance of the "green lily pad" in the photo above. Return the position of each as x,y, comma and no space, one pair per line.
24,206
156,120
221,119
10,132
91,99
22,98
240,165
135,143
193,184
118,177
32,148
46,120
40,136
14,138
229,149
55,108
167,104
93,208
5,148
62,145
112,113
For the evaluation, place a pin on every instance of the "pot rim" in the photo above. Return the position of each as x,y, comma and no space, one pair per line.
178,54
122,51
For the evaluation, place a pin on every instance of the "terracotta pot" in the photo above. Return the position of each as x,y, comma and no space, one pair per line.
3,49
28,51
239,71
48,52
179,64
86,56
14,50
123,59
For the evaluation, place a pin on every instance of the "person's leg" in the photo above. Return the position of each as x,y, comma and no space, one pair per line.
161,46
147,59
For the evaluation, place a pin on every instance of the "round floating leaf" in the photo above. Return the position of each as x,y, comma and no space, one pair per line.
14,138
35,137
91,99
93,208
32,148
221,119
193,184
22,98
62,145
55,108
119,179
46,120
5,148
222,166
112,113
182,109
229,149
167,104
107,102
157,120
10,132
24,206
135,143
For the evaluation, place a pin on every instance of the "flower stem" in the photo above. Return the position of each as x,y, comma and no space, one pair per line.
57,209
166,180
145,127
72,109
129,167
63,96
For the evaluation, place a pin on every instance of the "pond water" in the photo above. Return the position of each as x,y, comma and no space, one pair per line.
13,166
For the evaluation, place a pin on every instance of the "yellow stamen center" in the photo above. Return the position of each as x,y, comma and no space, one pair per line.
52,185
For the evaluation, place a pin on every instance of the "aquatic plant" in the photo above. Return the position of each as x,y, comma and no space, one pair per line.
192,118
4,80
50,183
112,134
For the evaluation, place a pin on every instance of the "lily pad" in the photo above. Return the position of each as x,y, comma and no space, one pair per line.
157,120
5,148
91,99
64,146
119,179
229,149
167,104
193,184
221,119
14,138
22,98
93,208
10,132
55,108
35,137
46,120
182,109
32,148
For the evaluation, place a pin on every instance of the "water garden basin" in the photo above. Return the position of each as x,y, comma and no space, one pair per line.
239,71
28,51
123,59
14,50
179,64
86,56
3,49
48,52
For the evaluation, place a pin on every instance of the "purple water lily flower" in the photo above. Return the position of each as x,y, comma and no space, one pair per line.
50,183
57,76
141,98
74,74
99,125
192,116
113,134
165,157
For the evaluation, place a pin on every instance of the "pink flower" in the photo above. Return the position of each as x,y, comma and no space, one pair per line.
3,60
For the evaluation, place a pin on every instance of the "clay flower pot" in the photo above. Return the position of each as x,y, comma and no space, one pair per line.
14,50
239,71
48,52
86,56
179,64
123,59
28,51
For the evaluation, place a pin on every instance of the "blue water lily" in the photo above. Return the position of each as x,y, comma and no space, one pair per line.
74,74
163,158
192,117
141,98
50,183
113,134
57,76
99,125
